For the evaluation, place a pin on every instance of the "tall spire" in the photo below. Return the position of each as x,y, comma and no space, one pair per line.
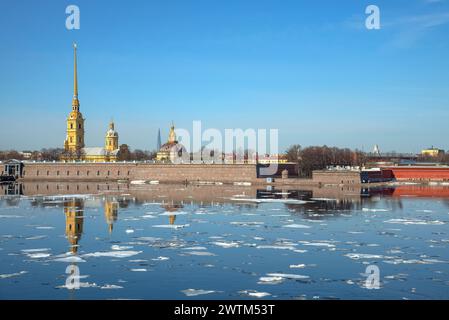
75,101
172,134
159,142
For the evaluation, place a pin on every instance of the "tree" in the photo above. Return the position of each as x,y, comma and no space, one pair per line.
318,158
294,153
124,154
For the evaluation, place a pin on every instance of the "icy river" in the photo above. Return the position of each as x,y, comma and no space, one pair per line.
119,241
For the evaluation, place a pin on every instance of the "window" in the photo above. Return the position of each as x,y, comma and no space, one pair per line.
57,173
98,173
79,126
68,172
48,173
71,126
37,173
87,173
78,173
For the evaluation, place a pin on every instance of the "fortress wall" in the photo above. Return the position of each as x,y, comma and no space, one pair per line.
139,171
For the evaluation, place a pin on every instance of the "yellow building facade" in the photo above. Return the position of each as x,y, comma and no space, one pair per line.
432,152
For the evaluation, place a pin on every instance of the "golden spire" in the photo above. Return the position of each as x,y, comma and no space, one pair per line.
172,134
111,124
75,101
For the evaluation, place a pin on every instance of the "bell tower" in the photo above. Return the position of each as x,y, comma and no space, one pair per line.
75,122
111,141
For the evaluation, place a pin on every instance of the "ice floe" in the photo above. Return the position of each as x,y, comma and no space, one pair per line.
10,216
169,213
195,248
297,266
247,223
254,293
413,261
224,244
111,286
270,280
70,259
296,226
196,292
161,258
112,254
36,237
326,244
414,222
10,275
120,248
358,256
171,226
288,276
200,253
375,210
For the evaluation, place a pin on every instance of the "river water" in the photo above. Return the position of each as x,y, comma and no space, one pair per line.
120,241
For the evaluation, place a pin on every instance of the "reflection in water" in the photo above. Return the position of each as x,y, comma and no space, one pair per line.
172,208
111,213
74,220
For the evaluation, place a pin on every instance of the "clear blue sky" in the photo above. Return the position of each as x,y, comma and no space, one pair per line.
309,68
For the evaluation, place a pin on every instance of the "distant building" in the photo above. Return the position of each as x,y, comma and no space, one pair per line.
432,152
26,154
171,150
272,159
376,150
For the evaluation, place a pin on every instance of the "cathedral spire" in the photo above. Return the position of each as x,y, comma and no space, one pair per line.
75,101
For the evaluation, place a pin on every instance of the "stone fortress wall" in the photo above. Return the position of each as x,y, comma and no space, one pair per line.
172,173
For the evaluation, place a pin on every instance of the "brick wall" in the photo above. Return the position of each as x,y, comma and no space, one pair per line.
162,172
336,177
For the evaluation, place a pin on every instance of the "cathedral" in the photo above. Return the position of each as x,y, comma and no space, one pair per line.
74,148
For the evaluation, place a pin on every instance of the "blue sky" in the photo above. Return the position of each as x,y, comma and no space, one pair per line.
309,68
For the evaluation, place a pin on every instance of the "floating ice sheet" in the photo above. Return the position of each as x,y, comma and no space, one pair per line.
111,286
296,226
171,226
224,244
112,254
196,292
255,294
414,221
10,275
